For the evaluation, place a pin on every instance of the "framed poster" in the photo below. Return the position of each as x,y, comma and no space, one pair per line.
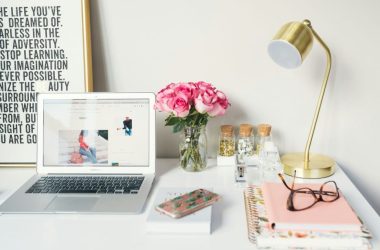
45,46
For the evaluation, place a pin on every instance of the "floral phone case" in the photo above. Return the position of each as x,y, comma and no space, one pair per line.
188,203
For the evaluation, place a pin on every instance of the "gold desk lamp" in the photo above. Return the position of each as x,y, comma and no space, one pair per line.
289,48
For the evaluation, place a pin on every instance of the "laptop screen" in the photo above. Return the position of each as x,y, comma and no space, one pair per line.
96,132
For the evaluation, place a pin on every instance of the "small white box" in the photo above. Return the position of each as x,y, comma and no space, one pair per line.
195,223
226,160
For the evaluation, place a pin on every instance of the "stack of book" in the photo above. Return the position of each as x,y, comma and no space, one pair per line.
324,226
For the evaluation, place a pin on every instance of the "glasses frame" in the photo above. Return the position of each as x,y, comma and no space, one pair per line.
317,194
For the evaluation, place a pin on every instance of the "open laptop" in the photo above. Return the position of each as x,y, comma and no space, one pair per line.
95,154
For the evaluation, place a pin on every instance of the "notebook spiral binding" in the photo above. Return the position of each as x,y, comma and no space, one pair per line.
252,216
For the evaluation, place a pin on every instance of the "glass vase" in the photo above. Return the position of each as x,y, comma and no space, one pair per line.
193,149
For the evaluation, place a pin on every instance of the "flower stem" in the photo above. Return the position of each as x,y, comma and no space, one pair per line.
190,151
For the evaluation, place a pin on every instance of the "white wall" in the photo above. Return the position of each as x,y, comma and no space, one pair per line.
141,45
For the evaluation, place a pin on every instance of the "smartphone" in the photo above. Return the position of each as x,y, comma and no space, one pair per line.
188,203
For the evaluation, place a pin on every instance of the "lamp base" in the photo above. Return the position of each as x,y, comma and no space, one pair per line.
320,166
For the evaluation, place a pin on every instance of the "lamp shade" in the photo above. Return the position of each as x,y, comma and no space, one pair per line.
291,44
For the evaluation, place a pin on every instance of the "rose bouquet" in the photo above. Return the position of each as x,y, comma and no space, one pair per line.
190,105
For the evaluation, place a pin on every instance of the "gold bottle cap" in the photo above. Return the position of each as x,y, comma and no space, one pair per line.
227,130
245,130
264,129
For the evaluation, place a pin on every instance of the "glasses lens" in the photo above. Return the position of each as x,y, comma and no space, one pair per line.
329,191
303,198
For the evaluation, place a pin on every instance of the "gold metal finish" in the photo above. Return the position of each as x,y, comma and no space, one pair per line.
299,35
17,165
319,166
320,98
307,165
87,55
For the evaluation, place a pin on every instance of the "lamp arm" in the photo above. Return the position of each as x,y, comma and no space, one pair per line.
320,98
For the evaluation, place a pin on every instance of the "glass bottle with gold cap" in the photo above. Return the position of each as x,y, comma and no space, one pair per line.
226,141
245,144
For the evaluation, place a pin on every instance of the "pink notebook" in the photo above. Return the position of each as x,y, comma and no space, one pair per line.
323,216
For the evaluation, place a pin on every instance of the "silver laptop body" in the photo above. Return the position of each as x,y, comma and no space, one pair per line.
85,142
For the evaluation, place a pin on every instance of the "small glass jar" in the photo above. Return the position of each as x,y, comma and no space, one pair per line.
245,144
226,141
269,157
263,135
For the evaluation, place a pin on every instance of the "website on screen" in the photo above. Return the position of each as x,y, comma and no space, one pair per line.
96,132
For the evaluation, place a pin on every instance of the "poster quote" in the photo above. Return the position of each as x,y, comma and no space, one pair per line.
34,58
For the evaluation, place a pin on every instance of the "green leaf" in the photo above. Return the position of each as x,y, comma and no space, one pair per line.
193,112
178,127
172,120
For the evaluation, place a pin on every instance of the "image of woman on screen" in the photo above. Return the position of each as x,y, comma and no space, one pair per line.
86,149
127,126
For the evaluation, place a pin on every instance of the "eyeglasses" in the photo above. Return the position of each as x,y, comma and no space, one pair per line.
304,198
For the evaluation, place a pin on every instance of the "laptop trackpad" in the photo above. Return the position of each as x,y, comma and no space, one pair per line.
73,203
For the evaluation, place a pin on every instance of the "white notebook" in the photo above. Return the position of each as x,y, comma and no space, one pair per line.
197,223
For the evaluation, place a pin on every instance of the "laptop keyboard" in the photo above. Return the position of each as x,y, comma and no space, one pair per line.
87,184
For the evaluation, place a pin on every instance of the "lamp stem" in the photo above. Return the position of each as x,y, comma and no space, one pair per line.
320,98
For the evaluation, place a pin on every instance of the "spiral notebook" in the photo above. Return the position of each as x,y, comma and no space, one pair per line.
323,216
261,234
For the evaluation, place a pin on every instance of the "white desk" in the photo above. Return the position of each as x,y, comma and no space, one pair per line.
128,231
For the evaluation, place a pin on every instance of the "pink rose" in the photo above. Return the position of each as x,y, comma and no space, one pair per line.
220,104
204,101
179,105
178,98
164,96
209,100
187,89
204,86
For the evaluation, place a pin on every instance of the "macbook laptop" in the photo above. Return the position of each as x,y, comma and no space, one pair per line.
95,154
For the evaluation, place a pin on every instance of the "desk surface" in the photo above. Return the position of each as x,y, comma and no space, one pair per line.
128,231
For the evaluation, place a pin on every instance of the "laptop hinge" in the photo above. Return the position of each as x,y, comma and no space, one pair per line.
87,174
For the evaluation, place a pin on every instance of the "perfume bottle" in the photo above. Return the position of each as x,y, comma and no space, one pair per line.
245,144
